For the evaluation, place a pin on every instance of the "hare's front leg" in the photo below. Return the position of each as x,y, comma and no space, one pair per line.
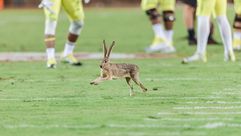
128,80
106,74
100,79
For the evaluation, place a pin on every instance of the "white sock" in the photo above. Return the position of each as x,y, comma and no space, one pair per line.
68,49
169,36
158,31
225,30
202,33
50,53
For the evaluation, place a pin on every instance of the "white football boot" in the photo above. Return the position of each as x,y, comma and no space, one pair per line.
229,56
157,45
51,63
195,57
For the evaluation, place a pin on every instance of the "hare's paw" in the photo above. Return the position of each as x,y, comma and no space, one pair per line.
144,90
93,83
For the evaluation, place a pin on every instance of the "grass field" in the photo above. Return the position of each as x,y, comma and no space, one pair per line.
188,100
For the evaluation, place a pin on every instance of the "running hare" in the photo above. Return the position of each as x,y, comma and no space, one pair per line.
111,71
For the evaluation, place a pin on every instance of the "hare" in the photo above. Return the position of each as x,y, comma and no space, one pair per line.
111,71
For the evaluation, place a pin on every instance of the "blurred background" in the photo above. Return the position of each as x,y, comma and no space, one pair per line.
93,3
129,26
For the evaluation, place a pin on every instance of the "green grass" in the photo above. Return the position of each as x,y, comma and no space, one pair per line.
195,99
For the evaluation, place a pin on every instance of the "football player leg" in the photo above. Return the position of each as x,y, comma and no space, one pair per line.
237,26
205,8
225,29
189,19
168,7
50,28
159,42
74,9
204,11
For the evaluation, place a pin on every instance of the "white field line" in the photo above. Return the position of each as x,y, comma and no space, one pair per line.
145,126
147,79
37,56
65,79
156,134
207,107
190,119
220,125
123,126
236,88
64,126
214,125
155,79
214,102
186,79
185,98
152,79
143,134
142,98
226,93
201,113
41,99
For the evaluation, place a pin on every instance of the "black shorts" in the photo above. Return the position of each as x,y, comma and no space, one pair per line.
192,3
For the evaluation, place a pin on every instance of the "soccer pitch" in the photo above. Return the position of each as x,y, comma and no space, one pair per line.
198,99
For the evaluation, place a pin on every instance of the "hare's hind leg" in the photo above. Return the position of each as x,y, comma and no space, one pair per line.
135,78
128,80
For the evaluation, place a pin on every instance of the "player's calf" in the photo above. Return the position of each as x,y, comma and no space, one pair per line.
74,31
168,19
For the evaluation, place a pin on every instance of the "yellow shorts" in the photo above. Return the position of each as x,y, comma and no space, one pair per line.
159,4
209,7
237,6
73,8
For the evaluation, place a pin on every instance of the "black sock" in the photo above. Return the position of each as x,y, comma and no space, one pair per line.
191,33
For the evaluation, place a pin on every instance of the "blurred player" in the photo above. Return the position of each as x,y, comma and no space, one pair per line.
163,40
237,26
189,11
74,9
204,10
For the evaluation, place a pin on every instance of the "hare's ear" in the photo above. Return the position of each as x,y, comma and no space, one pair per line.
110,49
104,48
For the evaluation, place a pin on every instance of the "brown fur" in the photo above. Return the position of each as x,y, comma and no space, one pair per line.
111,71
